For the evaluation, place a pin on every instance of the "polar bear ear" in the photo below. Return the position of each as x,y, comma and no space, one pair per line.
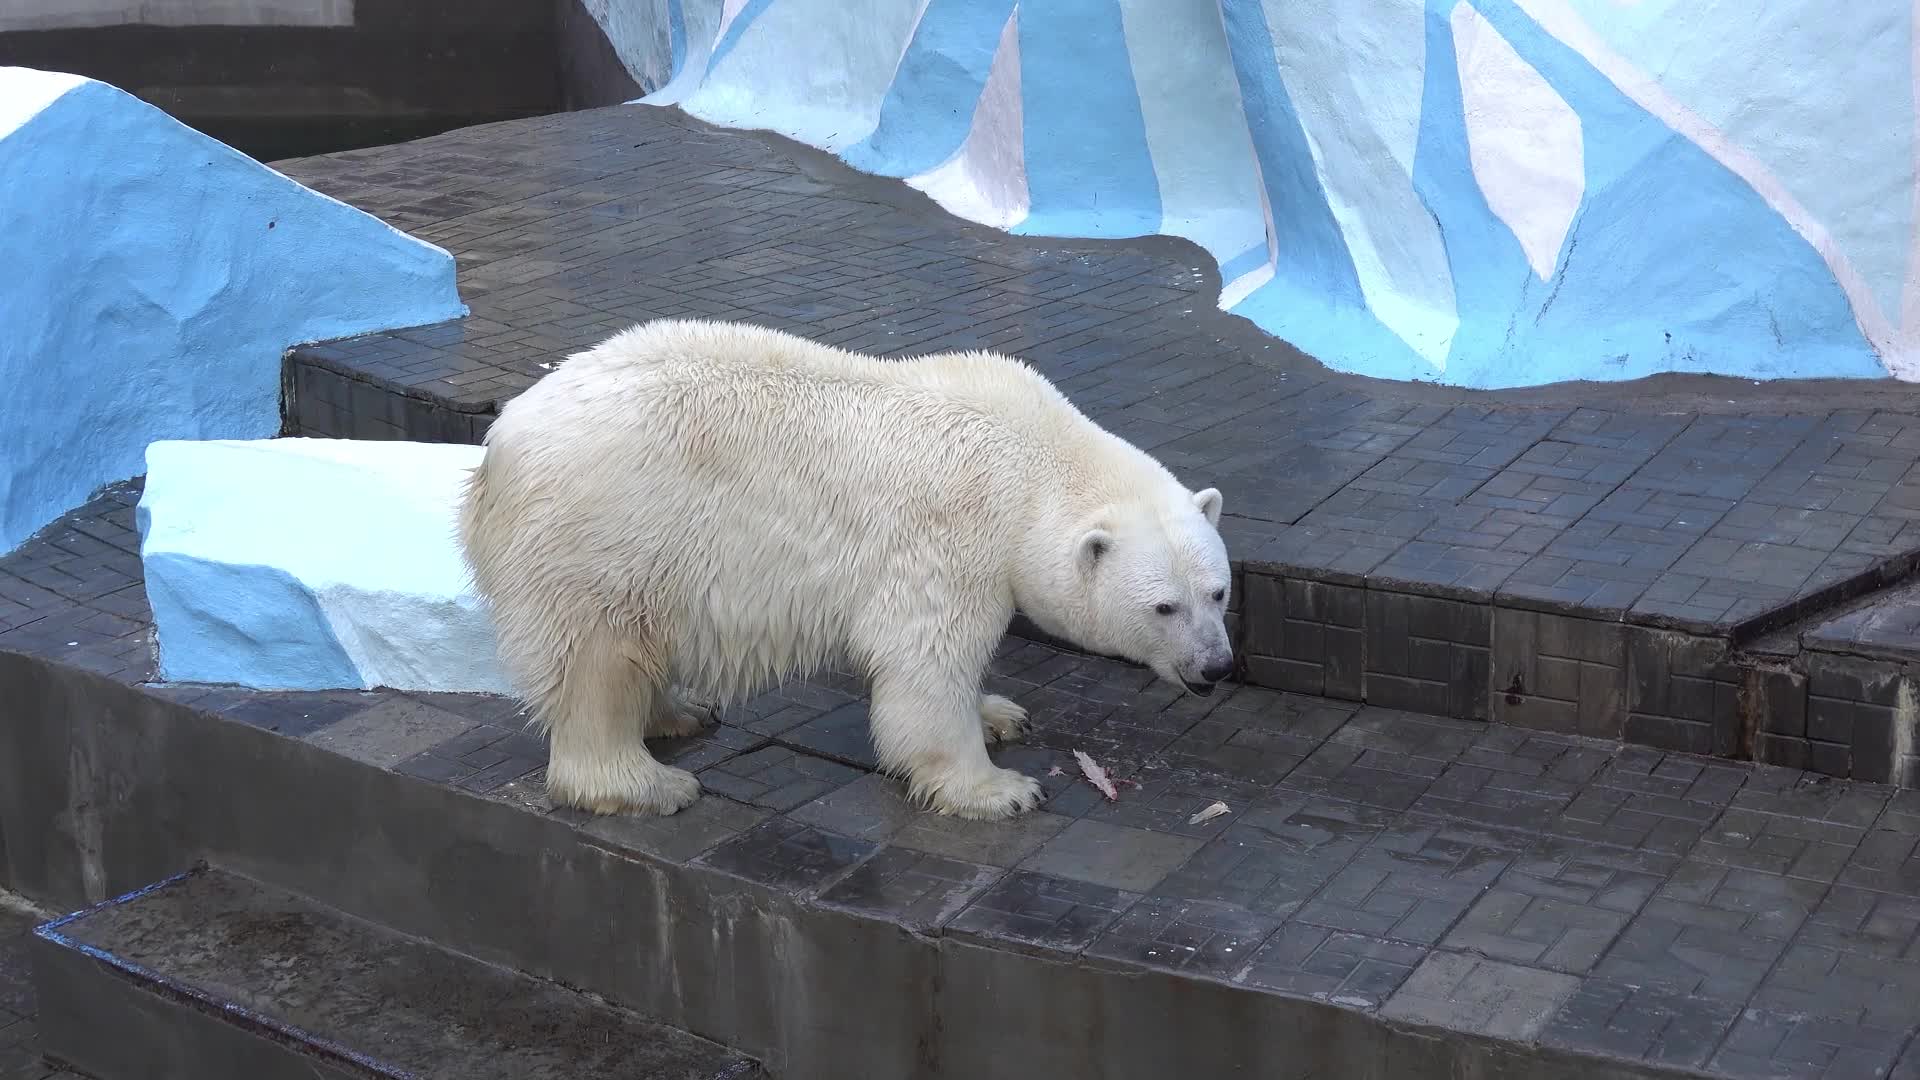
1093,547
1209,502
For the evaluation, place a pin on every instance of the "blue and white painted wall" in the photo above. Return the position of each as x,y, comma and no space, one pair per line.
155,277
1485,193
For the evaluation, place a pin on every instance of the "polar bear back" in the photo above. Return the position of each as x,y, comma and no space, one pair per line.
680,459
780,428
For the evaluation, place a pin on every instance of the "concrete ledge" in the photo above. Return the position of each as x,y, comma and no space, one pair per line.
649,915
160,1032
208,974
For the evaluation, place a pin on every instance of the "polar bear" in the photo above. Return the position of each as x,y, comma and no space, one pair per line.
696,510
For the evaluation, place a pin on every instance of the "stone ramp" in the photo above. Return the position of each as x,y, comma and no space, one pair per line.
1884,627
210,974
1549,558
1398,892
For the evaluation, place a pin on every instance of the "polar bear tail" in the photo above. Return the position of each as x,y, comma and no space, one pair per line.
473,497
478,507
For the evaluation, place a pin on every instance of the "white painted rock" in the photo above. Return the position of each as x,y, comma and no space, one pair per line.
313,564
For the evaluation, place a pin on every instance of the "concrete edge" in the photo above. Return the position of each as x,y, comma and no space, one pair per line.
111,791
161,1028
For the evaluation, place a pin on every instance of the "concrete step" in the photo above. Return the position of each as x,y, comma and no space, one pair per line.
210,975
1416,898
1835,690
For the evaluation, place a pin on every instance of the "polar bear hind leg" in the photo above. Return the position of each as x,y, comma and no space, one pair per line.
1000,719
610,691
676,714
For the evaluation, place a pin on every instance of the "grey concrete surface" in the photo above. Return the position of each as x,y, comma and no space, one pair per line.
211,976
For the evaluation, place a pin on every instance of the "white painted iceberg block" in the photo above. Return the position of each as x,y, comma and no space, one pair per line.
313,564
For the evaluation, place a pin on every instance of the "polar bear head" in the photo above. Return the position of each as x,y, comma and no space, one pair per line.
1152,579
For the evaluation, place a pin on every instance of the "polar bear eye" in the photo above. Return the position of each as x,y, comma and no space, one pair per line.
1163,609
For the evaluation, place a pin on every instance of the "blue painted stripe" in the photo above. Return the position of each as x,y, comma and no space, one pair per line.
1491,277
54,929
1247,261
1089,171
929,109
251,625
676,36
1344,336
1673,262
1312,253
753,10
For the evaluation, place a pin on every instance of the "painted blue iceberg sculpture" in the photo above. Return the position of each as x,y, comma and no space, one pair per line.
155,278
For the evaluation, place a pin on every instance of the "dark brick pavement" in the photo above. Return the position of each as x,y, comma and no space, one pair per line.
1525,885
74,591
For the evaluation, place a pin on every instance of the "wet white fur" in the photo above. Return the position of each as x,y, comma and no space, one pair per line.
699,510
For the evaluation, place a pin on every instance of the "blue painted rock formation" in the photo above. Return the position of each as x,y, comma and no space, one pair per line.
1486,193
155,277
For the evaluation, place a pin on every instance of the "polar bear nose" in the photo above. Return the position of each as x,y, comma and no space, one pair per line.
1217,671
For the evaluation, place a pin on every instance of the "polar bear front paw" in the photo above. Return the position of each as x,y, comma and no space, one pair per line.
996,795
629,787
1001,719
